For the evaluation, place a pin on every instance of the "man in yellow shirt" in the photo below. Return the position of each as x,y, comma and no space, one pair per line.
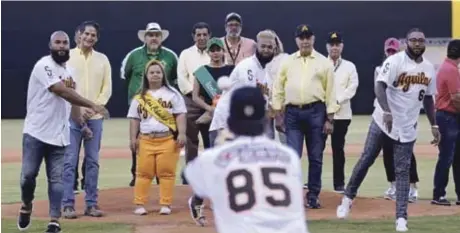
93,75
304,92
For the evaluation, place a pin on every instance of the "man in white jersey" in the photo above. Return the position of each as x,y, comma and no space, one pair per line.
249,72
405,81
46,128
254,183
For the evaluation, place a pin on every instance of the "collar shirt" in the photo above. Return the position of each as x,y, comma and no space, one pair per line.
189,61
346,82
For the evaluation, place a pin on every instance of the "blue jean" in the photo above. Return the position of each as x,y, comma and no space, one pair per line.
92,147
33,153
448,127
307,124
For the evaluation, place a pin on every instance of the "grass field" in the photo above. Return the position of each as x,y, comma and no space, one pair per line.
114,173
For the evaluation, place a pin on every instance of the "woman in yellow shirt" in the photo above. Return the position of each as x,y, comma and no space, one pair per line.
157,131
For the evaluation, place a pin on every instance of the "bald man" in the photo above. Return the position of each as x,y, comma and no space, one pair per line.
51,98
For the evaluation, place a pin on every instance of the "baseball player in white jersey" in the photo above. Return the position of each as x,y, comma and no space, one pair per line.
46,128
406,80
254,182
249,72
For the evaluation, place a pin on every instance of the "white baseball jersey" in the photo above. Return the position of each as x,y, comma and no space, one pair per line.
48,114
254,183
407,84
249,72
169,98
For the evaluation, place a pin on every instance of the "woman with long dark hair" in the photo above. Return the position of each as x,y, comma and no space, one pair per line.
157,132
392,46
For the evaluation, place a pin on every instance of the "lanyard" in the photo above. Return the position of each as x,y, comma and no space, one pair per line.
338,65
230,52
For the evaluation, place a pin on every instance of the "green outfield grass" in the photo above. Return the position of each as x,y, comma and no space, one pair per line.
440,224
114,173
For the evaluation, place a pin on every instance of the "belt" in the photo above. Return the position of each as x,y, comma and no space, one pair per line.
157,134
303,106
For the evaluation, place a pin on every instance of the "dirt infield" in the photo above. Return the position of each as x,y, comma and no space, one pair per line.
117,205
425,151
117,202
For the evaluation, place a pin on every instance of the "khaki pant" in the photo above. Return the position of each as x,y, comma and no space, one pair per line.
157,157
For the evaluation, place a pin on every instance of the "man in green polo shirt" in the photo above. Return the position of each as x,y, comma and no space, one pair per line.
133,65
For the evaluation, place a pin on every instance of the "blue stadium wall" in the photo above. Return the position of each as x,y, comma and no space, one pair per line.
26,27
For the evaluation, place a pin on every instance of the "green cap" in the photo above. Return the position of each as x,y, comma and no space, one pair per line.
214,41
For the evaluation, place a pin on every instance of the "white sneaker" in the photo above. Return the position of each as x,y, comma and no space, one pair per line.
165,210
401,225
390,194
140,210
344,208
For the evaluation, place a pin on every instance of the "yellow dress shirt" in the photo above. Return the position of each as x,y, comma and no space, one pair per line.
93,74
304,80
189,61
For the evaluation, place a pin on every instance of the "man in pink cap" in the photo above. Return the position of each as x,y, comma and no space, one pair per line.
392,46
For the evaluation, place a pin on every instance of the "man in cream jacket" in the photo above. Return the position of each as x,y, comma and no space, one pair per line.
346,83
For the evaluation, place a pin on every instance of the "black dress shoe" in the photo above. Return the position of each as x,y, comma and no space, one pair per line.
440,201
313,203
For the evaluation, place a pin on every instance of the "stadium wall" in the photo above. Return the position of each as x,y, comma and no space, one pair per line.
26,27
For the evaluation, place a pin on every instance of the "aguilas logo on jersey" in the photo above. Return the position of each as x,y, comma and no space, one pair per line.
405,80
253,153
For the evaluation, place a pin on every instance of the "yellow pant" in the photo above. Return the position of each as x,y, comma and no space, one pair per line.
156,157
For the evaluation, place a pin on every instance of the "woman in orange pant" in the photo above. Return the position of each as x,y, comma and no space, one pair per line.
157,132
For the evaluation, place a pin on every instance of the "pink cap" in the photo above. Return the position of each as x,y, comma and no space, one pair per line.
392,43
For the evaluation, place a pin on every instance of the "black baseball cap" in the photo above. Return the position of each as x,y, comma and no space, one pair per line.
453,49
247,112
304,30
233,16
334,38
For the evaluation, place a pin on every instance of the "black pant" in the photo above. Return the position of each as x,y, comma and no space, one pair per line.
338,153
456,166
388,162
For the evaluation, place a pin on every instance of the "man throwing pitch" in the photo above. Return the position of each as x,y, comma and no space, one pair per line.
46,128
406,80
254,183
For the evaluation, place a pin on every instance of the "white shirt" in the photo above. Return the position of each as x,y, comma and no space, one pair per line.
254,183
249,72
407,84
169,98
189,61
346,82
376,74
48,114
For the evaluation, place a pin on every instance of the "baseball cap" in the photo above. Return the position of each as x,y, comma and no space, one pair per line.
303,30
247,111
334,38
453,49
214,41
392,43
233,16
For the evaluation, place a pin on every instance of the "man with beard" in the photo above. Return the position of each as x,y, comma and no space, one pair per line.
133,66
46,128
236,47
189,61
346,83
406,81
252,71
95,73
304,93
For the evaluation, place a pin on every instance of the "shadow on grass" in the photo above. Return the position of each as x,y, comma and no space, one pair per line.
427,224
39,226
